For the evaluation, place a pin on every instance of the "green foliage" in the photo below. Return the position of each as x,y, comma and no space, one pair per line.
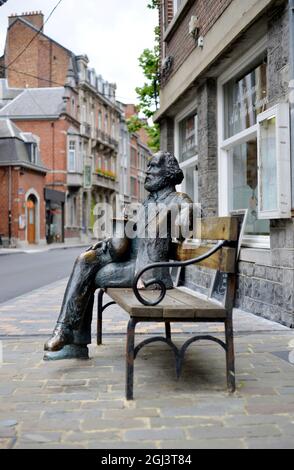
134,124
148,94
154,4
154,137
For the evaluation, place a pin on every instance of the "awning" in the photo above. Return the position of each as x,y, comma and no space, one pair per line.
54,196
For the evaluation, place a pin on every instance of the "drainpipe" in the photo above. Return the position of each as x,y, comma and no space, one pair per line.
9,205
291,89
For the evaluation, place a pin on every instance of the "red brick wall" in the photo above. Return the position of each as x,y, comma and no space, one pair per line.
35,18
43,58
180,44
53,147
22,181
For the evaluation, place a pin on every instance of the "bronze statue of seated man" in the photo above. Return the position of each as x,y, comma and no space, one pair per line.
114,262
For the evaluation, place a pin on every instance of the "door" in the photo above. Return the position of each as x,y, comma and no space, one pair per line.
31,211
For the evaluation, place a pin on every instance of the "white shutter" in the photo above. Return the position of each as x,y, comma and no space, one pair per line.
274,170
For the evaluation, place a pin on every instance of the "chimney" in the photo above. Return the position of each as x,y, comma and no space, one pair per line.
35,18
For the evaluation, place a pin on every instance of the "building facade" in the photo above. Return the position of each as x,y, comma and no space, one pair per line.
83,137
80,141
47,114
140,153
226,67
100,118
22,181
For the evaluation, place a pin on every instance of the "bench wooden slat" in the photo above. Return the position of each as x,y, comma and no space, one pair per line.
217,228
177,304
224,260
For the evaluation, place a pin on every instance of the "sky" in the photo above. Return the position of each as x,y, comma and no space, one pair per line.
113,34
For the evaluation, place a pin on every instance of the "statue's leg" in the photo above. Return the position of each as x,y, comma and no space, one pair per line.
77,299
81,338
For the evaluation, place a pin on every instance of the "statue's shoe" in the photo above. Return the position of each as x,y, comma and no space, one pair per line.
62,335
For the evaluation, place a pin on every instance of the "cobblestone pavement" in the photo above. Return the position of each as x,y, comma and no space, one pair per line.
80,404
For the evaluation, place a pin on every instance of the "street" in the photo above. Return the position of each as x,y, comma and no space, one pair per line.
23,272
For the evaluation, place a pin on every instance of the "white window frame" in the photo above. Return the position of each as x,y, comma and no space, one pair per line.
224,145
176,6
283,165
193,161
33,153
72,153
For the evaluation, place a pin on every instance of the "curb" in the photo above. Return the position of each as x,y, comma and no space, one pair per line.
14,251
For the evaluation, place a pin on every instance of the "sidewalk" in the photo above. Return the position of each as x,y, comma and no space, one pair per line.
80,404
42,249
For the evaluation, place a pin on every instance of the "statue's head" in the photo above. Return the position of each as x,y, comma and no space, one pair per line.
163,171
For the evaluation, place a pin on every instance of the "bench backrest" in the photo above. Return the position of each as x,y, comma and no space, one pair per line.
209,230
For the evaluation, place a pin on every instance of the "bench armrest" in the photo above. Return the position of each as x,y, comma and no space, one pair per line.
167,264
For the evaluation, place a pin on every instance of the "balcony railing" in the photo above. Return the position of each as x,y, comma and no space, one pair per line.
106,139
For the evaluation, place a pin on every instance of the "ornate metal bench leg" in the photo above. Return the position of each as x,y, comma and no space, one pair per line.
99,316
230,356
130,356
167,330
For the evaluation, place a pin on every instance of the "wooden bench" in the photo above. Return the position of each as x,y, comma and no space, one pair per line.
175,305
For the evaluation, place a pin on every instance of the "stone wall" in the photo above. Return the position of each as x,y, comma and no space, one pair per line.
265,288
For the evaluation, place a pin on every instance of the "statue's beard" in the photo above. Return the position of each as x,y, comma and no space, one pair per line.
155,184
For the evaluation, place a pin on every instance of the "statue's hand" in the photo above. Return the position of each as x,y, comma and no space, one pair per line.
100,245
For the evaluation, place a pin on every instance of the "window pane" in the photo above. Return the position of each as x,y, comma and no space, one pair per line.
268,167
188,138
245,98
87,176
191,182
244,185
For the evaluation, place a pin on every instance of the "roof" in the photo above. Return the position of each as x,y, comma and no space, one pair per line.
37,103
9,130
6,93
14,148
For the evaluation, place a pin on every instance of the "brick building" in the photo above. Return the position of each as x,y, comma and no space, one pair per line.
79,138
84,142
139,156
22,180
226,66
44,63
47,113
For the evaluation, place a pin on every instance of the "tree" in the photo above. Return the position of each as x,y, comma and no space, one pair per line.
154,4
148,94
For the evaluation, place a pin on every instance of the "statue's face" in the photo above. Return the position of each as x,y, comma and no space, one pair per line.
156,174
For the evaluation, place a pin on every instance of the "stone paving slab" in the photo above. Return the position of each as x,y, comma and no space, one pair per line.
81,404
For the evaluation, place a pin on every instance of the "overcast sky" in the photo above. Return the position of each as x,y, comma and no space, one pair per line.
113,33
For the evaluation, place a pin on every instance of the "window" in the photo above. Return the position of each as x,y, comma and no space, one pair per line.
33,154
113,128
134,191
88,176
242,97
73,106
73,213
133,157
245,98
71,210
99,120
106,122
84,113
72,156
186,144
